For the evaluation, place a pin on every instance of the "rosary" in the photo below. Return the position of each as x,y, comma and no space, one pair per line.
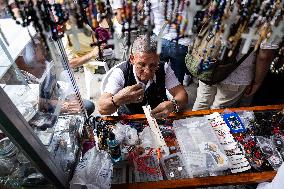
277,65
227,23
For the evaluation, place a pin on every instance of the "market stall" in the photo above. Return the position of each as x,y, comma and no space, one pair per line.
47,139
252,175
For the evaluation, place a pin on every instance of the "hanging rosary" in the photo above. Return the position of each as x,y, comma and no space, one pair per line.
277,65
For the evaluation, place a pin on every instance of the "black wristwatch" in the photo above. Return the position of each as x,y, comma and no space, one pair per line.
176,106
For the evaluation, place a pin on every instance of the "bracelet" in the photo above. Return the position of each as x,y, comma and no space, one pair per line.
115,105
176,106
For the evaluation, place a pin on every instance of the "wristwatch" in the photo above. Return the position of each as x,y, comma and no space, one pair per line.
176,106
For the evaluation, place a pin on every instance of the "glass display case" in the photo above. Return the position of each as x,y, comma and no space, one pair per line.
41,111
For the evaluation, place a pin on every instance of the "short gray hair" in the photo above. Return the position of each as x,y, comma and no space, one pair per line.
142,44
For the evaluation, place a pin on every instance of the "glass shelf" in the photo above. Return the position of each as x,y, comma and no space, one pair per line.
43,114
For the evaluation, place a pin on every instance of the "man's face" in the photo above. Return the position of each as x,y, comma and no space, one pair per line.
145,65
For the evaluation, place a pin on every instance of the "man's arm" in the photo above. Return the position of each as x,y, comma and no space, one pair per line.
75,62
263,61
109,103
106,106
180,95
165,108
176,90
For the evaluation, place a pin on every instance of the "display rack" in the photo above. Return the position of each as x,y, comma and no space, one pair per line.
52,151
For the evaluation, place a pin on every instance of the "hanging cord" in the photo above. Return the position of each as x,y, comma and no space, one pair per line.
66,66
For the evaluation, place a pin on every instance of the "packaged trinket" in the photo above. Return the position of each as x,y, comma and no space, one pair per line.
199,146
234,122
270,152
174,167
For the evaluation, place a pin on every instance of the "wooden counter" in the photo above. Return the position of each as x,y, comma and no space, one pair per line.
199,112
232,179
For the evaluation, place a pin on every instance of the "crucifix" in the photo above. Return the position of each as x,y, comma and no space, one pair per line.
192,9
159,41
250,36
263,31
92,13
99,44
109,16
278,31
150,25
235,39
232,18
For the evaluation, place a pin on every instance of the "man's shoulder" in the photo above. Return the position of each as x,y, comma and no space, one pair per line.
120,69
117,71
124,66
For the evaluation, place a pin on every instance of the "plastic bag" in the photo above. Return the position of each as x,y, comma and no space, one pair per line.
147,139
199,146
93,171
131,136
119,132
125,134
277,181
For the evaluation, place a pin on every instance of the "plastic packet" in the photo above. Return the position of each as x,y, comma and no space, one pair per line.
239,163
119,132
174,167
125,134
278,143
245,116
147,138
131,136
199,146
93,171
270,152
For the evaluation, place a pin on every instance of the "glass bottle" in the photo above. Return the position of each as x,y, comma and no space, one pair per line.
114,148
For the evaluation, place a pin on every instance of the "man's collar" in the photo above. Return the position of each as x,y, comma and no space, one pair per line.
138,80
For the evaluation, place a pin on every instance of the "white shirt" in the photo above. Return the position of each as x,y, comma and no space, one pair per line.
244,73
277,182
116,80
116,4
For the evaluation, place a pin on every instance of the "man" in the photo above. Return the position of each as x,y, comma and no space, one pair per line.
175,53
142,80
244,81
84,52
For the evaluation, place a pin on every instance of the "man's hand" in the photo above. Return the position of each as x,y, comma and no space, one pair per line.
130,94
70,107
163,110
251,89
95,52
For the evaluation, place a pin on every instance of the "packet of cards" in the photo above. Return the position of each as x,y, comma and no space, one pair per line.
199,146
233,150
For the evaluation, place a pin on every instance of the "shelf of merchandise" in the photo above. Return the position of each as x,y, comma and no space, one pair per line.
231,179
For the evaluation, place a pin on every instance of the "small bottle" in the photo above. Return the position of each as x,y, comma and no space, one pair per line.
114,148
